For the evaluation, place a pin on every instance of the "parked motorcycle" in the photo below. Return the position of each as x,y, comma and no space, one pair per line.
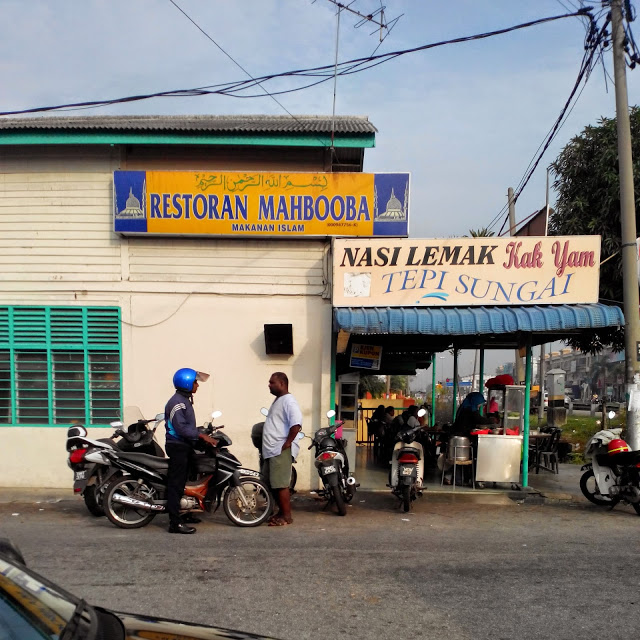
407,466
613,475
256,438
93,471
135,498
333,467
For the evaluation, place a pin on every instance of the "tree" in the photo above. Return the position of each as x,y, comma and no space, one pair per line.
398,383
481,233
588,186
373,384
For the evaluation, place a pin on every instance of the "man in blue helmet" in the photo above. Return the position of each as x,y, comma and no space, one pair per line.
182,434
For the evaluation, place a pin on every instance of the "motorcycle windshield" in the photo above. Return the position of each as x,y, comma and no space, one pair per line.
131,414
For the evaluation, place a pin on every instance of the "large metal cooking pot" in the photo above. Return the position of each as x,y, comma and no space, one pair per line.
459,448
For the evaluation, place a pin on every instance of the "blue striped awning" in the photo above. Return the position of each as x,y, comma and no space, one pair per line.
464,321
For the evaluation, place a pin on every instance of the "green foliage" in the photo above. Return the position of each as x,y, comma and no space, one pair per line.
588,187
373,384
481,233
398,383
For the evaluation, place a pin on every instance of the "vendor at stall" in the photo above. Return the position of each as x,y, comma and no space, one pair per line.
468,417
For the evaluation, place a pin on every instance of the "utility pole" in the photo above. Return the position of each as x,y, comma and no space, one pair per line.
628,224
542,349
519,368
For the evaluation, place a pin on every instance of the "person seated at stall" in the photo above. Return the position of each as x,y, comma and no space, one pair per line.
412,416
468,419
425,420
375,424
387,434
375,429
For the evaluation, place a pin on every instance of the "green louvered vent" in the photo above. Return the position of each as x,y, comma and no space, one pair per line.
59,366
29,326
103,327
4,327
67,325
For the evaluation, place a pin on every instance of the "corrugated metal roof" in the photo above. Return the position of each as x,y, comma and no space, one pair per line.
476,320
237,124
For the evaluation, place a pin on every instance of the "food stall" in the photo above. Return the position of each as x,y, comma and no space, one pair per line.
500,445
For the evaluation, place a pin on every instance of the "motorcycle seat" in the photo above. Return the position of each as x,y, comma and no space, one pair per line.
159,464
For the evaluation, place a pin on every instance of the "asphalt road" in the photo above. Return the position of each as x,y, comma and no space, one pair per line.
450,569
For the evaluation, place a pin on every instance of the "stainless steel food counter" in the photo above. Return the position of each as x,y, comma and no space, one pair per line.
498,458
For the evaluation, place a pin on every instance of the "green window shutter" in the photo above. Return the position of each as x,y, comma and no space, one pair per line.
4,327
66,326
103,327
29,327
59,366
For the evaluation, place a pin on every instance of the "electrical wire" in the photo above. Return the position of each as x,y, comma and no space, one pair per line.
271,95
594,42
344,68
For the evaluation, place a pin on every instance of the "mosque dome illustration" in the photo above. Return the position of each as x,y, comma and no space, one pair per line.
394,209
132,208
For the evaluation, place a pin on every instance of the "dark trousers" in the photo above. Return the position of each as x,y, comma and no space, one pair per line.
179,457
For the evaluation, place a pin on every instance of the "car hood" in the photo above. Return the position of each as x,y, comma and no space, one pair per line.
151,628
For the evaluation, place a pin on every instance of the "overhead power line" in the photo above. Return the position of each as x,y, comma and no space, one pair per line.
320,74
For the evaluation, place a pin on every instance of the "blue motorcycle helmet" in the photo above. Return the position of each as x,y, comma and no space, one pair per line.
183,379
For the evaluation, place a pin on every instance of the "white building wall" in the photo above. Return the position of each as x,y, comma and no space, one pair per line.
184,301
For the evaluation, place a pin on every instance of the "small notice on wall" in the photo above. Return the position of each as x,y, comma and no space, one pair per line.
365,356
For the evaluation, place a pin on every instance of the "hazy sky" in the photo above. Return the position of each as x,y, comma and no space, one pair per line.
465,120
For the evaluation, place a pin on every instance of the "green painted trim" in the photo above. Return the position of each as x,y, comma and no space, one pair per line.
527,402
50,398
432,417
85,364
366,140
12,369
454,402
120,361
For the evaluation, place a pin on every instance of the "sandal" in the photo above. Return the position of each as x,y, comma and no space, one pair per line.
279,522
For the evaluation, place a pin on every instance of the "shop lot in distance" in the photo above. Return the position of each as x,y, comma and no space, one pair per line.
451,568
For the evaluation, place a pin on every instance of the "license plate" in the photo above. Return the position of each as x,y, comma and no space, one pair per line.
328,470
407,471
80,475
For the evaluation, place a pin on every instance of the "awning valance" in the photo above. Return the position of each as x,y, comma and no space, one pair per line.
468,321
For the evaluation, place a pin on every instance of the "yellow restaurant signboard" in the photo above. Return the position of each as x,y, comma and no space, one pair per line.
261,204
460,272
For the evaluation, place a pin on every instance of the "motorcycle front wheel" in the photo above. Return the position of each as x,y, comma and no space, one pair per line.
406,497
123,515
249,504
590,490
91,501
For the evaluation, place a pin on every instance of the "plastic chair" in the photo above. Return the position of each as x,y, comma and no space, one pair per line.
460,463
548,456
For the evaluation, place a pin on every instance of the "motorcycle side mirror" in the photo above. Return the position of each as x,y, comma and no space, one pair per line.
331,413
421,412
216,414
264,411
159,417
117,424
611,415
299,435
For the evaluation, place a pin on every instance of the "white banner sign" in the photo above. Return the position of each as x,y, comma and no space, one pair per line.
466,271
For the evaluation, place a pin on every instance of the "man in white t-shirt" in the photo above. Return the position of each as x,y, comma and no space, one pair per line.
279,447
